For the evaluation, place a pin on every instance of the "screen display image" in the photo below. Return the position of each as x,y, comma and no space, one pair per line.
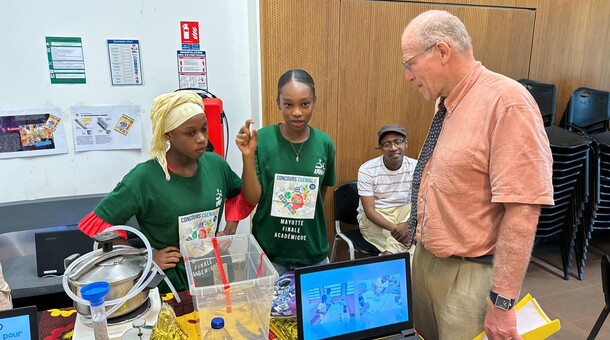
353,299
15,328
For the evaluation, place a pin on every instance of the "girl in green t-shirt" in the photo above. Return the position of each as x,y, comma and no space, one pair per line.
179,194
293,164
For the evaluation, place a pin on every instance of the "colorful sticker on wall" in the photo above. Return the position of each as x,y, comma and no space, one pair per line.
52,123
124,124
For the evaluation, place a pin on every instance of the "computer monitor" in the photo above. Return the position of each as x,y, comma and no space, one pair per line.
359,299
19,323
54,246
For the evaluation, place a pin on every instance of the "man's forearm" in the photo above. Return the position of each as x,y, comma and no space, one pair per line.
368,205
514,248
375,217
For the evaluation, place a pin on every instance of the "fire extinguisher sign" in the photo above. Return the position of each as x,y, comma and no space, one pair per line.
189,35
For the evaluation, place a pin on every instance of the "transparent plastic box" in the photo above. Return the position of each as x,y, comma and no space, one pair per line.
231,277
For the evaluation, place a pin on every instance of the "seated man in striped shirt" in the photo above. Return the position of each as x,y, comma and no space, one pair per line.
384,186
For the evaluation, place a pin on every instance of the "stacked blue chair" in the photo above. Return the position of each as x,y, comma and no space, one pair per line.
587,114
601,209
571,164
546,98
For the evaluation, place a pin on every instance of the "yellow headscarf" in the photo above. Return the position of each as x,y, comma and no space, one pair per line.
169,111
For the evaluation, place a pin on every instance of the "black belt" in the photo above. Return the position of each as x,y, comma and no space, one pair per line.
485,259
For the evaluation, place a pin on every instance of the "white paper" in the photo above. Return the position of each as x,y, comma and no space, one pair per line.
28,133
529,318
106,127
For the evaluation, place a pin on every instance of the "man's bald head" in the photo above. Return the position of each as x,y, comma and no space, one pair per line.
435,26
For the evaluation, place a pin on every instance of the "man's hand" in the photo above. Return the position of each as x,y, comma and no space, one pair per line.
247,140
500,324
167,257
400,232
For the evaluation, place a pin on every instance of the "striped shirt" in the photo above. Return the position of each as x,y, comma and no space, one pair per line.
390,188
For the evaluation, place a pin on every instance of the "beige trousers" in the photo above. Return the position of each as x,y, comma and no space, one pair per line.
449,296
381,238
6,301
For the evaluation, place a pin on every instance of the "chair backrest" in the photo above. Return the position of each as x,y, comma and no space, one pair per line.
546,98
346,202
587,111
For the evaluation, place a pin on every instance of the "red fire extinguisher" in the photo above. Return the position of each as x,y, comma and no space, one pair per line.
216,121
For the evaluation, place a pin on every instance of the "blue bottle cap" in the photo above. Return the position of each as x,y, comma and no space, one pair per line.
218,323
95,292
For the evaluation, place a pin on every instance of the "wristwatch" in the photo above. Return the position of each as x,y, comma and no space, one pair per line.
501,301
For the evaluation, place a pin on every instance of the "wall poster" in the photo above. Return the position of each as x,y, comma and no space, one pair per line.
66,60
125,62
192,70
106,127
27,133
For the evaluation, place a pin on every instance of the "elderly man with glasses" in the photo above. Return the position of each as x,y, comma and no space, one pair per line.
384,186
482,174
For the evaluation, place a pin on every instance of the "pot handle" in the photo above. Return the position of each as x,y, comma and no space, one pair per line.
155,282
68,260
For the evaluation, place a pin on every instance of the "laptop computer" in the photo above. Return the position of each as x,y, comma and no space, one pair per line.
19,323
360,299
53,247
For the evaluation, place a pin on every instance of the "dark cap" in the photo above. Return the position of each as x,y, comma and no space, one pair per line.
391,128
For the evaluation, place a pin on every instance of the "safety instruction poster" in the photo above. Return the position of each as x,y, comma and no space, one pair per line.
106,127
66,60
125,63
27,133
192,70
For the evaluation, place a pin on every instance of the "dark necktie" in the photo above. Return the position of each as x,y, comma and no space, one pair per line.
426,151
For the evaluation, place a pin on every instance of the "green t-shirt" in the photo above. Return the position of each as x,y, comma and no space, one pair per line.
163,207
289,223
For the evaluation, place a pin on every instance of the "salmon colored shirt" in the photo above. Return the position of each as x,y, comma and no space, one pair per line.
492,149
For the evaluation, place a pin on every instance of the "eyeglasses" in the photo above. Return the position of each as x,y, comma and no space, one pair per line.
397,143
408,64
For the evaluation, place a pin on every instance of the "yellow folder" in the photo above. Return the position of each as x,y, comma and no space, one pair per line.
532,322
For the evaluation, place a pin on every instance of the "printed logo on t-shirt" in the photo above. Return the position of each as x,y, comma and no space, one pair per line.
320,168
198,225
294,196
218,197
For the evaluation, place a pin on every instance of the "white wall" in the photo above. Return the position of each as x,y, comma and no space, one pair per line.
229,35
